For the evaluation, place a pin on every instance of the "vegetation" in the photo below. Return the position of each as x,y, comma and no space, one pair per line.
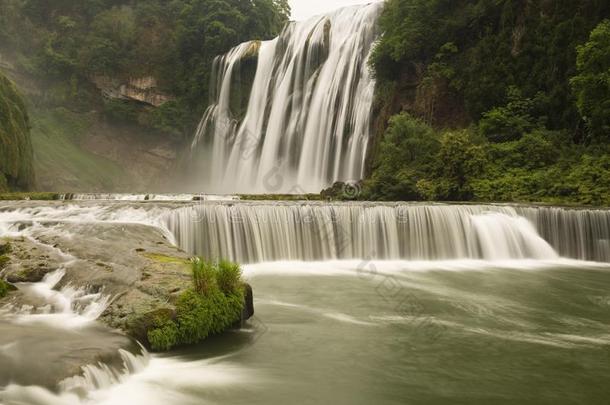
29,196
67,43
4,288
493,101
16,171
60,162
213,304
417,162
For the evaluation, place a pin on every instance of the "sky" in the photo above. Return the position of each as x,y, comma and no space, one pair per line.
303,9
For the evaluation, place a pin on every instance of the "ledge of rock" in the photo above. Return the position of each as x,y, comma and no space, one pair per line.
144,90
133,264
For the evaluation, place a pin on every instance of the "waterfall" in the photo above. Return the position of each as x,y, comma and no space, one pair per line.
580,234
292,114
256,232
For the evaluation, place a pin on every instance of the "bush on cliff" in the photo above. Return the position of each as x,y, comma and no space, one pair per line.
16,155
213,304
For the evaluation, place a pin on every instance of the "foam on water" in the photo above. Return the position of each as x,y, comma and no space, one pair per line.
145,379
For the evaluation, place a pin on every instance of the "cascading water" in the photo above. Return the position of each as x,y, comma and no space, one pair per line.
420,296
255,232
300,122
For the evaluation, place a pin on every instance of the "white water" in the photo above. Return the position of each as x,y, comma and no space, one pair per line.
259,232
145,197
434,237
143,380
67,307
251,232
307,122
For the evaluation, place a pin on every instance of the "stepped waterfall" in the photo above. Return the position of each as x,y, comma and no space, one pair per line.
291,115
257,232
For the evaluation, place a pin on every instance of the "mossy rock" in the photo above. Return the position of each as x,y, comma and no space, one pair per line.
139,327
27,274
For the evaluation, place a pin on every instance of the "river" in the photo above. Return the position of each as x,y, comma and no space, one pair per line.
534,328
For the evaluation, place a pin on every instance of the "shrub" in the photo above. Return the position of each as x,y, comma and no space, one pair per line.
592,84
510,122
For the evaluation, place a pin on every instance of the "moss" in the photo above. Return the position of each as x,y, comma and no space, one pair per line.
159,258
16,155
203,310
3,261
164,336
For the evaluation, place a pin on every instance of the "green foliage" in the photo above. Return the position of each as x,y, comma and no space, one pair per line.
56,136
16,171
69,42
4,289
170,118
403,159
228,277
214,303
164,336
204,273
539,166
516,74
120,111
458,161
495,45
592,84
510,122
590,180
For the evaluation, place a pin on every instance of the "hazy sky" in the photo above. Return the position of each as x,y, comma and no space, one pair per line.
303,9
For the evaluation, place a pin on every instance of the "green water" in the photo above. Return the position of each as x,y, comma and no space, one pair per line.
435,337
389,333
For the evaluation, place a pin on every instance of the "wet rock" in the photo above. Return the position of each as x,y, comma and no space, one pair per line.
24,274
142,274
248,311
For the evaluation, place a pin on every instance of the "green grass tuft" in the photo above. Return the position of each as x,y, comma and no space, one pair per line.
213,304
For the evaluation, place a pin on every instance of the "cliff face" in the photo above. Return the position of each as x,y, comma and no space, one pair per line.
16,171
143,90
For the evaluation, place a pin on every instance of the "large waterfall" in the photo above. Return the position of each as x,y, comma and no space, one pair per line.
255,232
292,114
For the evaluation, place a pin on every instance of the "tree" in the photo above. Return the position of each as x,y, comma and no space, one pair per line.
592,84
403,159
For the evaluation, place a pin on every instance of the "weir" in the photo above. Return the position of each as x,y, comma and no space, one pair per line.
292,114
258,232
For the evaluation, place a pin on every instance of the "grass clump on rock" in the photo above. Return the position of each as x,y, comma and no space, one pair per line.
210,306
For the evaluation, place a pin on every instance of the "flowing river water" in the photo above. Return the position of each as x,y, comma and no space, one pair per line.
472,305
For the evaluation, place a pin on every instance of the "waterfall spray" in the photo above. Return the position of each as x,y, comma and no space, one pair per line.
304,120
